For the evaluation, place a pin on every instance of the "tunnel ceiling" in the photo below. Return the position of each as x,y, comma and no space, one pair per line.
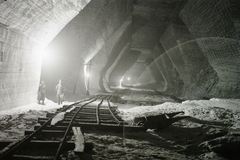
150,19
180,44
184,47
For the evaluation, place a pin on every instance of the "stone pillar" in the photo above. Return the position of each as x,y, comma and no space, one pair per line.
183,51
215,29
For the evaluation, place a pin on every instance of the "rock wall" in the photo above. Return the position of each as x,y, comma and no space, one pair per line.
125,64
202,48
183,51
121,47
172,80
196,55
91,35
213,25
157,50
101,59
146,77
26,28
105,74
135,73
100,63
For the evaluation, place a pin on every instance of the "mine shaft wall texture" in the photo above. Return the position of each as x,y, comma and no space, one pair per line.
100,60
19,69
147,76
93,31
193,60
168,68
170,75
183,51
135,72
139,73
122,46
214,26
126,62
157,50
94,25
123,32
26,27
106,76
120,28
158,76
148,68
169,42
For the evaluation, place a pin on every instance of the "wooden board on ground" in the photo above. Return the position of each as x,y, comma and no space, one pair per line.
79,140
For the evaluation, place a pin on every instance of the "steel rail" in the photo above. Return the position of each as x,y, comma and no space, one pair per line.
8,153
27,139
114,117
57,155
97,111
78,114
98,107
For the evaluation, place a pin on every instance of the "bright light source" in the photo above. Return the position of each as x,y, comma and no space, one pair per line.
87,75
47,60
120,85
128,78
48,57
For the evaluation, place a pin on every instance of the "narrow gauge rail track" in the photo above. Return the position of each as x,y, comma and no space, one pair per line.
54,137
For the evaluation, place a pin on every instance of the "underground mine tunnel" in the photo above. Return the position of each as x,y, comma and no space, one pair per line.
185,50
178,47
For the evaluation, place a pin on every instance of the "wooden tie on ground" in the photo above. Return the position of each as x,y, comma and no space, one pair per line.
53,139
79,140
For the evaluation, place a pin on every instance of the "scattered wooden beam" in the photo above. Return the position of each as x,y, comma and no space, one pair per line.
158,121
57,118
20,157
79,140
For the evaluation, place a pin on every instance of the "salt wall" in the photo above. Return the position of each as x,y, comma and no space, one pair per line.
215,28
93,35
199,51
26,27
196,54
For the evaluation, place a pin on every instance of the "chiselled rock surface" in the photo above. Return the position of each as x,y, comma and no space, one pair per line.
26,27
185,48
96,30
217,36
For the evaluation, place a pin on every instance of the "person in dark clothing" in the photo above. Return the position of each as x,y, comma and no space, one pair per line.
41,92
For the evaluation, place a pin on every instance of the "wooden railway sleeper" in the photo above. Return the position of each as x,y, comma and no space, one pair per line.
26,140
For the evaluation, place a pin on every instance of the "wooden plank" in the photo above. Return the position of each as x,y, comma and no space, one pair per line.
45,132
79,140
90,111
57,118
102,127
89,121
22,157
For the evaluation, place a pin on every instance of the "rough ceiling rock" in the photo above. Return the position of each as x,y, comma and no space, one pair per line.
188,48
150,18
26,28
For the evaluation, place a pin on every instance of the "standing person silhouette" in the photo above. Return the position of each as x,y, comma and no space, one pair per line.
60,92
41,92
